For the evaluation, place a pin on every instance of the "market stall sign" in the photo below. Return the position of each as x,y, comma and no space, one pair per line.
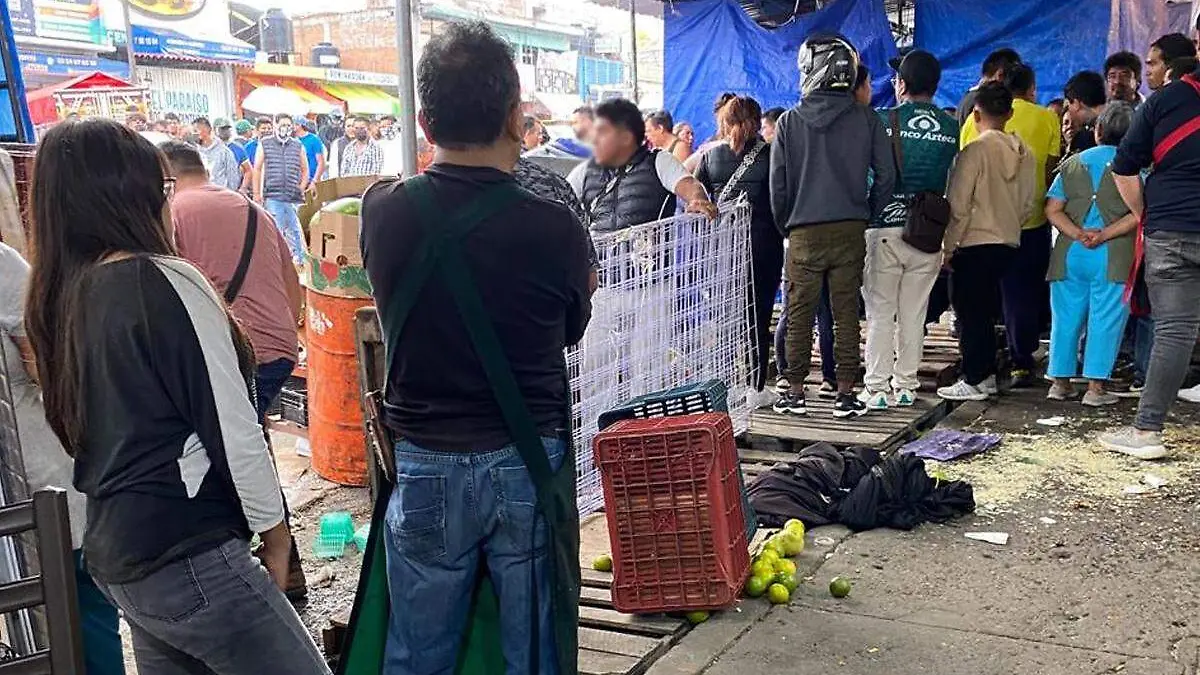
70,20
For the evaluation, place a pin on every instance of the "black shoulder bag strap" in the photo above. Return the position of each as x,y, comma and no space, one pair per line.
239,274
897,147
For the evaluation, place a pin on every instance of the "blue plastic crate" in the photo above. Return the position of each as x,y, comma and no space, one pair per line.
690,399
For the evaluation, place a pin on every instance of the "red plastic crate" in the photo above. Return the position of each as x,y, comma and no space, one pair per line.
674,509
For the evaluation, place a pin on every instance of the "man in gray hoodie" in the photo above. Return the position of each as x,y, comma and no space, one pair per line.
822,155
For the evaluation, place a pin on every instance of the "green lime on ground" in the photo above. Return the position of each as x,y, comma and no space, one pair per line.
839,587
603,563
791,542
697,617
785,566
778,594
786,580
770,552
794,525
762,568
757,585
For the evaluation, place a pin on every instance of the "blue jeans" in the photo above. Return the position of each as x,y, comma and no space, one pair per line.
449,513
99,624
216,611
269,379
288,222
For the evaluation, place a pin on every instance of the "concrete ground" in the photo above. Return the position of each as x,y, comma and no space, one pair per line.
1101,572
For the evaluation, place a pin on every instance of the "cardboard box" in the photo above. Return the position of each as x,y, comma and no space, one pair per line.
334,237
336,188
331,190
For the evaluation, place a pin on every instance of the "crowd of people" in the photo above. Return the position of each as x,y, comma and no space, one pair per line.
158,318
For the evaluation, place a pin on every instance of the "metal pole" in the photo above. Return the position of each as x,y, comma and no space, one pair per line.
129,55
408,92
633,42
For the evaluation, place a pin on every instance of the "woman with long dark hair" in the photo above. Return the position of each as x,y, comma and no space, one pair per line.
147,384
742,166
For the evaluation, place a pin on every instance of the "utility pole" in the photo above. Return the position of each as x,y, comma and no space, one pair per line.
129,55
633,42
407,93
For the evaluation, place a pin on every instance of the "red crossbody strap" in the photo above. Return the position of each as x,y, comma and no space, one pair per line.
1183,132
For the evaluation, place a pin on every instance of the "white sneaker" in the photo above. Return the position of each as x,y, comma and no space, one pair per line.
905,398
961,391
874,400
1099,399
989,386
1060,392
1191,395
1135,443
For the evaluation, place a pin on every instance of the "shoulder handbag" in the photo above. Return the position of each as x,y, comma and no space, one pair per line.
239,274
928,211
736,178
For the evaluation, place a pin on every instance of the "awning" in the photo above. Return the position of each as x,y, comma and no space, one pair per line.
364,99
309,101
166,43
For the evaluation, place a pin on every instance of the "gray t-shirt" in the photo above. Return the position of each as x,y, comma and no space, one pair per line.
46,463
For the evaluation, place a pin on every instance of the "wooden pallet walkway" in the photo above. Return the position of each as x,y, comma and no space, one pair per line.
879,429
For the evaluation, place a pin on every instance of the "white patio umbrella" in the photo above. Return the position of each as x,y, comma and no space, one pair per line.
272,99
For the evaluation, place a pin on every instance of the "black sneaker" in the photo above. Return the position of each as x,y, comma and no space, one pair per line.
790,404
848,405
828,390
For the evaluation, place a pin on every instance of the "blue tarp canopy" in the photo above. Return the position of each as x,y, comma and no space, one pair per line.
1058,39
713,46
167,43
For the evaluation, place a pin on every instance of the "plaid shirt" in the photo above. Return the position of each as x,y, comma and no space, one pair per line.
552,187
369,162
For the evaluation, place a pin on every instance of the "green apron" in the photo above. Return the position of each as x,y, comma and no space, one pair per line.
441,253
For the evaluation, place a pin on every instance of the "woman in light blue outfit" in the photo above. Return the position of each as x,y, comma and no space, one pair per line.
1090,263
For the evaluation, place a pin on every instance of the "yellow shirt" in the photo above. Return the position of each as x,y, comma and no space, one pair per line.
1040,129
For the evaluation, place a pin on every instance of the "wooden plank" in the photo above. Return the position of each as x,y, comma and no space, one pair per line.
591,577
602,663
651,625
609,642
765,457
595,597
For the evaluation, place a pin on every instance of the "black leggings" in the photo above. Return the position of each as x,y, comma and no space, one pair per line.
766,252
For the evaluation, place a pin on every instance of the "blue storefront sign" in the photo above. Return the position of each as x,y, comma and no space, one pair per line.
33,61
166,42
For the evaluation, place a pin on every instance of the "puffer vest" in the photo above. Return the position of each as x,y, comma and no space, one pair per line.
282,160
628,196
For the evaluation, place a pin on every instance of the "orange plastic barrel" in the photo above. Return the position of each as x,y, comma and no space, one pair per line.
335,421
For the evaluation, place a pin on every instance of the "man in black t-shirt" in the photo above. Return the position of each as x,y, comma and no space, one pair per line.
464,496
1166,134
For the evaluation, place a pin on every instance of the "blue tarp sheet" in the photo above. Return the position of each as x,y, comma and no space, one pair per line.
712,46
1058,39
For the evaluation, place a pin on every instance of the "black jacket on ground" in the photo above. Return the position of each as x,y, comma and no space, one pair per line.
857,488
823,152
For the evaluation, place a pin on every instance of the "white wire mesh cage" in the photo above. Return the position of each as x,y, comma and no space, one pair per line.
674,308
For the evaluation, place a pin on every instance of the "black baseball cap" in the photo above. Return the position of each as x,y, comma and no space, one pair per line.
918,67
916,60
